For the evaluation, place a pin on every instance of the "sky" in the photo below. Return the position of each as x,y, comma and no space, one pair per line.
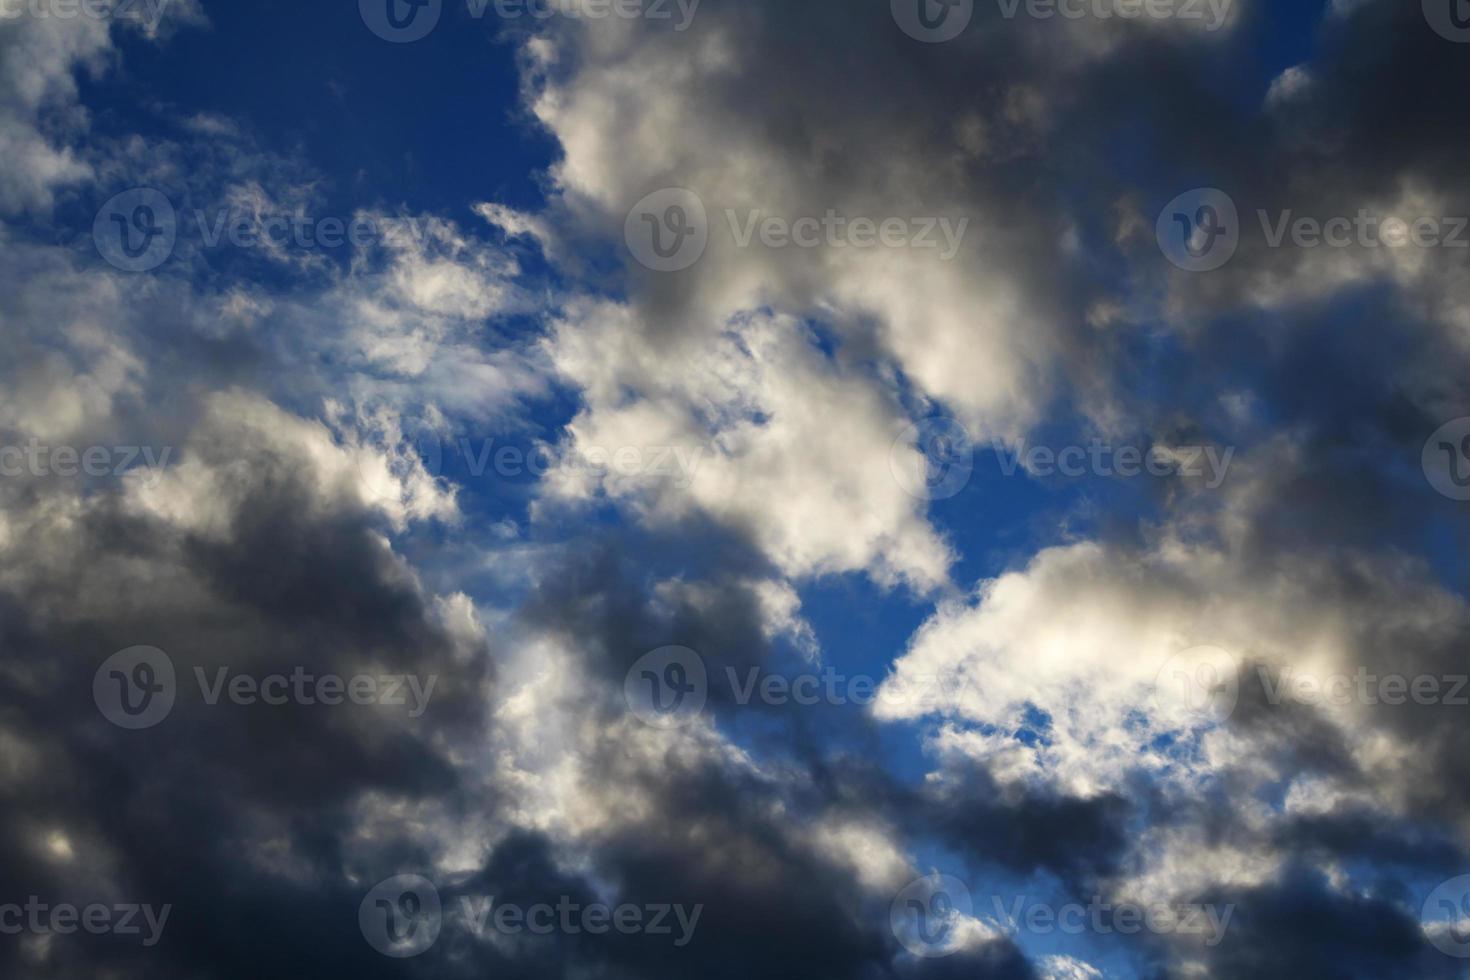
640,489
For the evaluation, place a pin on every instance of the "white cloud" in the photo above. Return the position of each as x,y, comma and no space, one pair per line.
1067,968
793,448
42,127
243,440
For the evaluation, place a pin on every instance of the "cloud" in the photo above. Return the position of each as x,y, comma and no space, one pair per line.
749,413
813,485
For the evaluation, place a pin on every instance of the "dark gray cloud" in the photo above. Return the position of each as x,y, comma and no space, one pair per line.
264,548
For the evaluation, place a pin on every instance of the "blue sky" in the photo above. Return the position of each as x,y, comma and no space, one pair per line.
616,426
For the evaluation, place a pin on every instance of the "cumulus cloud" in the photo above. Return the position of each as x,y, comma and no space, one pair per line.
727,445
780,440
